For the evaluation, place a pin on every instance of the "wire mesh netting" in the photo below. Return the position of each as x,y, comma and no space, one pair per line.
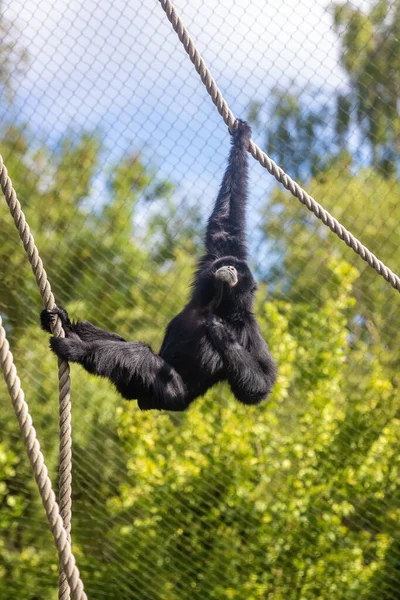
116,153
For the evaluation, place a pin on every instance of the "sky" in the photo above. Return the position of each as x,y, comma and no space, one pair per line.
119,69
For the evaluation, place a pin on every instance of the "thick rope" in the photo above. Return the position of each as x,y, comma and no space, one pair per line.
64,461
65,453
39,469
266,161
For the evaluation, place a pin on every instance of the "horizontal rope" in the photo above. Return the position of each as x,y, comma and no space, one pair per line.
264,160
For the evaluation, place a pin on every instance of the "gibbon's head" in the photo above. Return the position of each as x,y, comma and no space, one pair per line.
226,283
233,273
233,280
227,274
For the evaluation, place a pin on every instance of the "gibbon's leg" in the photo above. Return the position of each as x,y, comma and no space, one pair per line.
85,330
225,235
136,371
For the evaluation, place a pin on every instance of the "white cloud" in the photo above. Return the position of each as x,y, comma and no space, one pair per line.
92,57
120,67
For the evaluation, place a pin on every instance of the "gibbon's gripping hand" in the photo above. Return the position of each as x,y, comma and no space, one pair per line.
49,317
241,133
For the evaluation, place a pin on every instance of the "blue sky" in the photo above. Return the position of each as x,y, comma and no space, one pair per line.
119,68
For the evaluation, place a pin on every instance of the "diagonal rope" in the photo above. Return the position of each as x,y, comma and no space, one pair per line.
66,558
279,174
65,453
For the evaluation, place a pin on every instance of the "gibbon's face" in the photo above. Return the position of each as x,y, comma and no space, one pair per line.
234,273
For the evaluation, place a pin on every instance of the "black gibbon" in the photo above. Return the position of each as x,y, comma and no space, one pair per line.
216,336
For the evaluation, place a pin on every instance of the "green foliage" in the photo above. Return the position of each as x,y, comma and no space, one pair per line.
310,128
224,501
13,57
370,55
306,248
296,135
231,502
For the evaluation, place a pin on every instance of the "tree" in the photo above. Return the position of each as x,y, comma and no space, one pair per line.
310,129
292,500
82,250
370,55
13,57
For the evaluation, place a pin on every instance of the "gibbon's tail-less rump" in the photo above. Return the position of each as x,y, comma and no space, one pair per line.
216,336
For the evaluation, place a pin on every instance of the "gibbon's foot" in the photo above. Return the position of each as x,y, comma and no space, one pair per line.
242,131
49,317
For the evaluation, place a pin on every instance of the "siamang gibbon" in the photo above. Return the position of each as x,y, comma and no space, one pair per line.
216,336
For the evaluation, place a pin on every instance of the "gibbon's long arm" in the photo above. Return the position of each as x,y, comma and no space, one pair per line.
225,235
135,370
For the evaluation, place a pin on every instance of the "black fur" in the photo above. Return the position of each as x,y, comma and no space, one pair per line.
209,341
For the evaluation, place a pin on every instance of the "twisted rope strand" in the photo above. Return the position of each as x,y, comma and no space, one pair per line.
65,451
279,174
66,558
64,462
